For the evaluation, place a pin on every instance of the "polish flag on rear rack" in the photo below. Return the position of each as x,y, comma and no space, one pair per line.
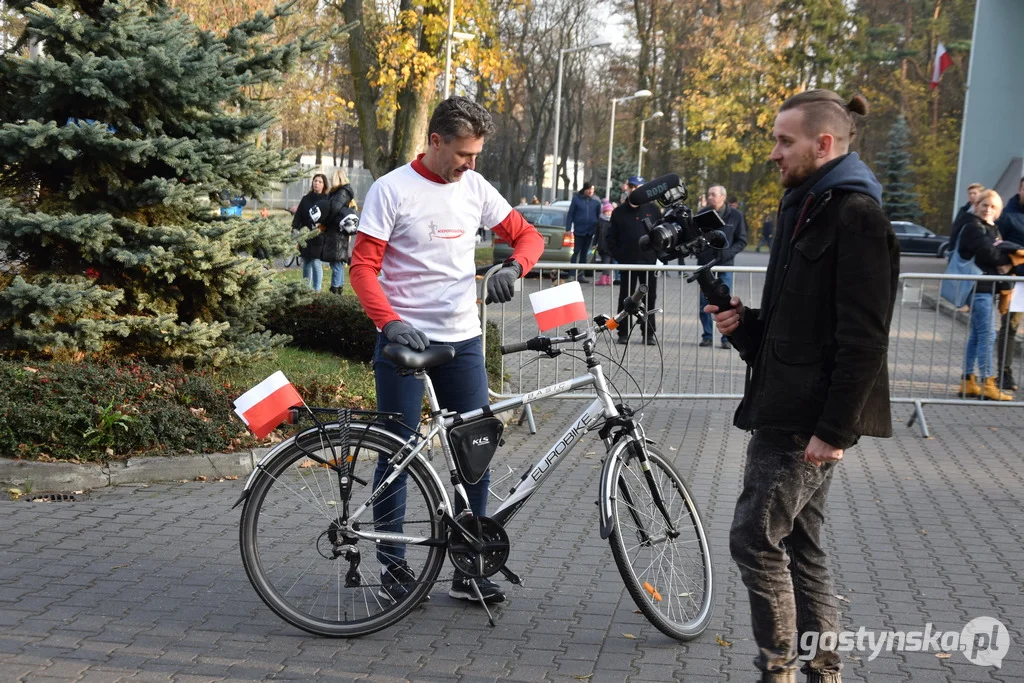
558,306
266,405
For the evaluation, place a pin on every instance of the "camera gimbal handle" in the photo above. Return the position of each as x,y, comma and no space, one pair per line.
715,291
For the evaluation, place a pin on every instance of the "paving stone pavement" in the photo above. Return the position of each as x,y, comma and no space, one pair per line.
144,583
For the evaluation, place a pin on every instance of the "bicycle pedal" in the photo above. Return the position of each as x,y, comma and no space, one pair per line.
512,577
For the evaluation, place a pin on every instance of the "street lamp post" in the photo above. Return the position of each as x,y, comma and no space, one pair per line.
457,35
611,137
640,158
558,107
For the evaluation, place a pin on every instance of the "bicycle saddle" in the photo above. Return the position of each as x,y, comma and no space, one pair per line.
430,357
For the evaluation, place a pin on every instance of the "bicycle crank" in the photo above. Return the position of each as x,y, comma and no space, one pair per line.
485,533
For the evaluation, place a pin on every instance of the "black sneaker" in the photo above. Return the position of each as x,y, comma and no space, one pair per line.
462,589
397,581
726,344
705,342
622,340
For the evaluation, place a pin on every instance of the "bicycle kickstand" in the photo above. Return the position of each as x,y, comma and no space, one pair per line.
480,597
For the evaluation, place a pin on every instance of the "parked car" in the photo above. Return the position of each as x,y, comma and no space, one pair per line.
562,202
917,239
550,222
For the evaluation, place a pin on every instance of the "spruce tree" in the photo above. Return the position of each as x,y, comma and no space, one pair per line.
117,140
898,196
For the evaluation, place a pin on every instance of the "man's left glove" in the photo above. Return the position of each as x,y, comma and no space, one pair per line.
501,286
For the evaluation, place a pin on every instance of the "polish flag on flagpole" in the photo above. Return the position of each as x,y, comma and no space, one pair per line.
942,62
558,306
266,405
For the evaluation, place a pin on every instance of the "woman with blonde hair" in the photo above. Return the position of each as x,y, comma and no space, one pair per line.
338,233
977,240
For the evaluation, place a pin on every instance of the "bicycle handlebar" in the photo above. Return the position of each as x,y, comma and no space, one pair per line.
630,306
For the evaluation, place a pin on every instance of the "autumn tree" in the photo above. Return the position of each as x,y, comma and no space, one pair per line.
116,139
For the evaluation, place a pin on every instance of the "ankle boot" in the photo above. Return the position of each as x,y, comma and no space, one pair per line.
969,387
991,392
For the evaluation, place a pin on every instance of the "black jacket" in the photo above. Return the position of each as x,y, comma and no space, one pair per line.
817,348
735,230
336,242
978,241
303,220
627,227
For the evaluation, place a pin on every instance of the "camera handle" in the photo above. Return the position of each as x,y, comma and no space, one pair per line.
715,291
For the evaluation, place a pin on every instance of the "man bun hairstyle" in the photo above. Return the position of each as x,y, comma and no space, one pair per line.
827,112
460,117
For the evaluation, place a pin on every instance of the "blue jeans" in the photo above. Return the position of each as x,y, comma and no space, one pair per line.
337,273
981,338
461,385
580,251
313,273
705,318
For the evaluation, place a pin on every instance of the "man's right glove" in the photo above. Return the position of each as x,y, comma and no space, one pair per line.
403,333
501,286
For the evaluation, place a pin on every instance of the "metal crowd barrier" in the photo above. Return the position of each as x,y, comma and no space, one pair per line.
926,346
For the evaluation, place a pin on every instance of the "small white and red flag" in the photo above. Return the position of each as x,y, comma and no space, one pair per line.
942,62
266,405
558,306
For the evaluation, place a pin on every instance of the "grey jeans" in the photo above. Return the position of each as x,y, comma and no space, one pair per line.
776,543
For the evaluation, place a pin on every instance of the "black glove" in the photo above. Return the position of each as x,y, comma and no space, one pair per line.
501,286
402,333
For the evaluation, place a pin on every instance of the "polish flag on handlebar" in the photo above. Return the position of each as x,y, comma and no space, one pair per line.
558,306
267,404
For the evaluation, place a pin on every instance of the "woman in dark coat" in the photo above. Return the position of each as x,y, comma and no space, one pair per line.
337,242
308,215
977,240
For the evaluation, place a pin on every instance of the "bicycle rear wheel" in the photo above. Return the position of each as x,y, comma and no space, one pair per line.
669,576
307,571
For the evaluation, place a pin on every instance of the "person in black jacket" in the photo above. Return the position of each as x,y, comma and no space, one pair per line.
1011,229
735,229
338,242
973,190
978,241
626,228
817,377
309,214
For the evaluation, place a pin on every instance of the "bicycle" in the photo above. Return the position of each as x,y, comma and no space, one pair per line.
310,503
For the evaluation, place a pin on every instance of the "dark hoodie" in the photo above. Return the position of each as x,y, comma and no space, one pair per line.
847,172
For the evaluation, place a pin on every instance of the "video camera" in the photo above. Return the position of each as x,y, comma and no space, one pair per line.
678,233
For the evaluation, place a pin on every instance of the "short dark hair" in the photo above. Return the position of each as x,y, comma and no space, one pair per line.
460,117
827,112
586,186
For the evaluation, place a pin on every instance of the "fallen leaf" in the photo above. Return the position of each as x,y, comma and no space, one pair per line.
943,655
232,477
15,493
722,641
200,477
630,636
584,678
31,369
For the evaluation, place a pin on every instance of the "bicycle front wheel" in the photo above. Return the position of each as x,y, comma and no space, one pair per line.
668,573
310,573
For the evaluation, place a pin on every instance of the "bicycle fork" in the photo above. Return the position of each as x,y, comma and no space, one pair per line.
634,451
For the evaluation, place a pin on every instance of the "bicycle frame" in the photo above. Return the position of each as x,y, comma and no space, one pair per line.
601,408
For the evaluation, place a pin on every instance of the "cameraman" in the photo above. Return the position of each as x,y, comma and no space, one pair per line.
817,375
735,230
627,227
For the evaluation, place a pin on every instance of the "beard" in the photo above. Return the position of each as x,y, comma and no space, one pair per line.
799,170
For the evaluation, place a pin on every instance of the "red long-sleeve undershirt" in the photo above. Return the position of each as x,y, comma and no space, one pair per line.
368,257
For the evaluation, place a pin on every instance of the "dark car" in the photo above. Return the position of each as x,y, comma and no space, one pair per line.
550,223
917,239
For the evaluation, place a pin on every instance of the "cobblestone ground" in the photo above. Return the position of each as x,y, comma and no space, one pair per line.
145,582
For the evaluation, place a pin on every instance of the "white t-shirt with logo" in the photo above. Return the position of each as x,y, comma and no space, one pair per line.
429,268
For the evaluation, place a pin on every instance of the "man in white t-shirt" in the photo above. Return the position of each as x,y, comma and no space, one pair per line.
417,232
